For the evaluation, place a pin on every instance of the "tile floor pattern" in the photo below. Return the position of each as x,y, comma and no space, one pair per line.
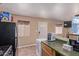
27,51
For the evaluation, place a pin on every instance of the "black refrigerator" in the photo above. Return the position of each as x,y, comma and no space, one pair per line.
7,35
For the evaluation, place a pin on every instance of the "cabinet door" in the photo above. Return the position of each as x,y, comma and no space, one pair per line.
47,51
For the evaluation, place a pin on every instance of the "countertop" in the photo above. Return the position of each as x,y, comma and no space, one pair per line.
57,46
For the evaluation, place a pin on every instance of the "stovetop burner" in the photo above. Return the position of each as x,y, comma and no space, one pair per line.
3,49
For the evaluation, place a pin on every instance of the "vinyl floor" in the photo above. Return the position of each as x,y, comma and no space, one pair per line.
27,51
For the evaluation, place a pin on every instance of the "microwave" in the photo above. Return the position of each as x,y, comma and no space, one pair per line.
51,36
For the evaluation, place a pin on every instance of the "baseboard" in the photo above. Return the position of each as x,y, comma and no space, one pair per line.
26,46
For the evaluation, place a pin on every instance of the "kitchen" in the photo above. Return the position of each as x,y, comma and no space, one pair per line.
37,32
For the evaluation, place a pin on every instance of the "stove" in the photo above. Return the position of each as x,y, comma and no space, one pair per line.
6,50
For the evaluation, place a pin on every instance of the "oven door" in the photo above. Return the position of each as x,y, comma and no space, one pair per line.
9,52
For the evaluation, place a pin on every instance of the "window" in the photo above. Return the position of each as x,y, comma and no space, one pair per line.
75,25
58,29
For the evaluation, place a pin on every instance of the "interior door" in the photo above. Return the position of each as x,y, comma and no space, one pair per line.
23,33
42,29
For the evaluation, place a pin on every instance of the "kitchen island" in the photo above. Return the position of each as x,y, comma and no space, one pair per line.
54,48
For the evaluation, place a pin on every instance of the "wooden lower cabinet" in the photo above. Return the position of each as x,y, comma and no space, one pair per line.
48,51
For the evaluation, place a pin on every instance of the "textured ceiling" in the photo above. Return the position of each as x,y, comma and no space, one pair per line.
58,11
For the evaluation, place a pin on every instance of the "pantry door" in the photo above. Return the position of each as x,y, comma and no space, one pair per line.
42,29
